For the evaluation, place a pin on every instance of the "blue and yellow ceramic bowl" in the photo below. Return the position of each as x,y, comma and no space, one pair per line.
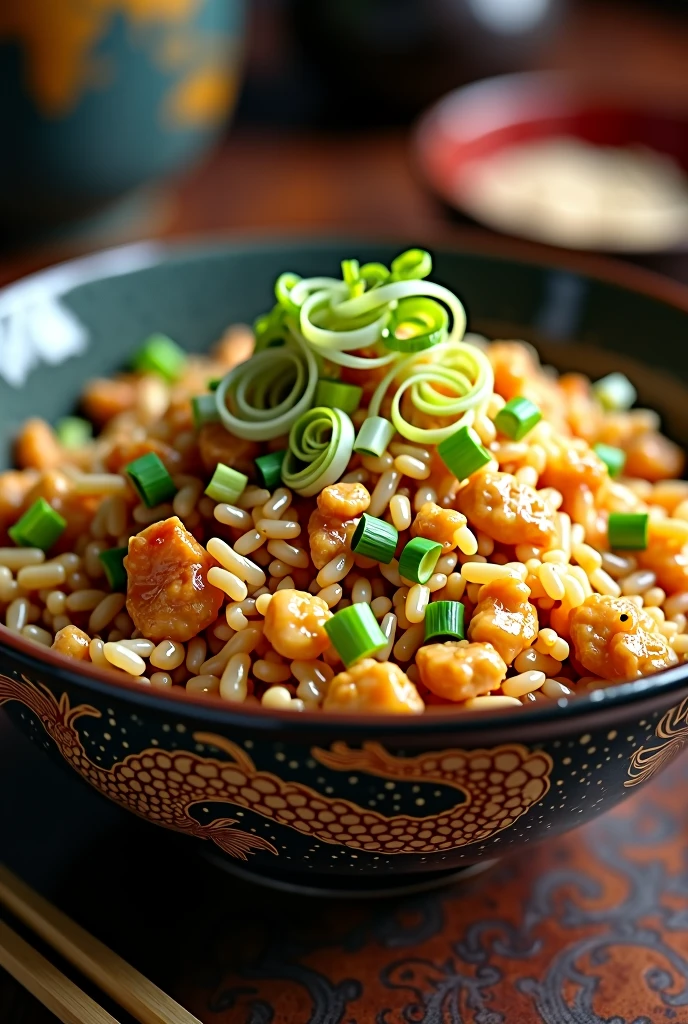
99,97
311,799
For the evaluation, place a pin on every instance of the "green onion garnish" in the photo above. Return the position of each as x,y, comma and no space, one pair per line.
613,458
462,453
271,329
446,383
227,484
113,564
336,395
320,446
354,633
269,469
418,559
375,434
375,538
411,265
444,619
39,527
263,397
351,275
628,530
374,274
517,418
161,355
73,431
151,480
615,392
214,384
283,287
416,324
204,410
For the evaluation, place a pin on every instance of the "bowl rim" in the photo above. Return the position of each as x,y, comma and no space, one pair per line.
557,92
627,277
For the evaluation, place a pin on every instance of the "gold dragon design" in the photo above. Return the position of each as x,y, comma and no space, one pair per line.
496,787
672,731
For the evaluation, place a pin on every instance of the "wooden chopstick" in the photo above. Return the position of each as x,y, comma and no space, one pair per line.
39,977
113,975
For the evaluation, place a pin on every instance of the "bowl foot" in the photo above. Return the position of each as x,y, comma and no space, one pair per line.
345,887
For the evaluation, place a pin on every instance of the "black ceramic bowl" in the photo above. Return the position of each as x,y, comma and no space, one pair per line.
310,799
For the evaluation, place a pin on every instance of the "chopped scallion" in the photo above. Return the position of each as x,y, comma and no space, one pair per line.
628,530
73,431
227,484
615,392
204,410
113,564
336,395
462,453
149,476
613,458
40,526
161,355
375,538
517,418
355,633
444,619
269,469
418,559
374,435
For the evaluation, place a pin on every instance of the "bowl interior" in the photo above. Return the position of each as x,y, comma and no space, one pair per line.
64,326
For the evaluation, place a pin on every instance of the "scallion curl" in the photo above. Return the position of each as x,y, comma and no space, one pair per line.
455,367
264,396
320,446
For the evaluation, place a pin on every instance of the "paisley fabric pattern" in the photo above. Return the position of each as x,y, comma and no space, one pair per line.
588,929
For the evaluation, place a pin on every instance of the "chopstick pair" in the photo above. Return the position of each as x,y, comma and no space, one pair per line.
113,975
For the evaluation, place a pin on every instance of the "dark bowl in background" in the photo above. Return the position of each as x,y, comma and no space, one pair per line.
311,800
481,119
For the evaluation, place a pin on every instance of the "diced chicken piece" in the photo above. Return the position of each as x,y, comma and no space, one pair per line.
73,642
575,465
328,537
235,346
505,618
343,501
439,524
615,640
124,452
513,366
77,509
668,561
104,399
168,594
37,446
583,412
507,511
216,444
652,456
295,624
373,687
457,670
14,486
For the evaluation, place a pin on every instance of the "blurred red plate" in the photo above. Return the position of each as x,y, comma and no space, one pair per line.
461,139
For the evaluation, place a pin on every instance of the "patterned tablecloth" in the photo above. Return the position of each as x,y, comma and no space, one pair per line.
589,928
